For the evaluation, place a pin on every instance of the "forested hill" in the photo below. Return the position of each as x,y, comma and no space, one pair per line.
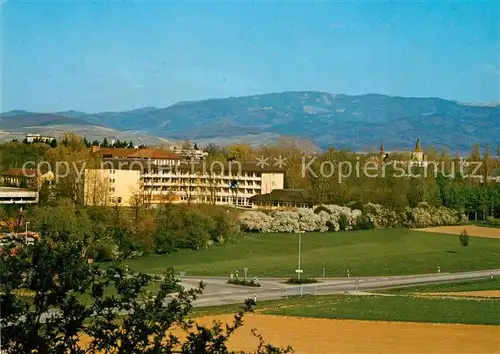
344,121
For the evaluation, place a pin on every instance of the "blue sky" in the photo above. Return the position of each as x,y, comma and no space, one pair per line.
103,55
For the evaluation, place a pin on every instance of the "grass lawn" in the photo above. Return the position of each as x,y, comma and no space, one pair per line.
468,285
487,224
364,253
383,308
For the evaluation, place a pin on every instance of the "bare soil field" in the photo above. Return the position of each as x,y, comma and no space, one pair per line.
477,293
311,335
316,335
473,230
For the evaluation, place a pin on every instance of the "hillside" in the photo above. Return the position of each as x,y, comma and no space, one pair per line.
344,121
15,124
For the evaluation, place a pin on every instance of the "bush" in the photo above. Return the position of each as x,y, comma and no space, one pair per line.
236,281
255,221
301,281
105,250
335,218
425,215
490,220
366,222
464,238
183,228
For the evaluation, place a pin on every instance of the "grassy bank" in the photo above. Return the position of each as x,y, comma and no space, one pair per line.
382,308
363,253
470,285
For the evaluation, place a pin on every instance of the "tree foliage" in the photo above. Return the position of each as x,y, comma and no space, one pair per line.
52,301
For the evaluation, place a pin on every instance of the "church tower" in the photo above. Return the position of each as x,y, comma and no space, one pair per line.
417,154
383,155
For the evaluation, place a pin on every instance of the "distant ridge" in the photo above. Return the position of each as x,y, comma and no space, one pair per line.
355,122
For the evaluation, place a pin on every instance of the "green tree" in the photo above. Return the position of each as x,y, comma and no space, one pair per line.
72,297
464,238
475,154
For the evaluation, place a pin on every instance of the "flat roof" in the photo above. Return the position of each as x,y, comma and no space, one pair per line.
131,153
186,166
14,190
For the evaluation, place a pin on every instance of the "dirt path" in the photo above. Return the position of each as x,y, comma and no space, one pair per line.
476,293
473,230
308,335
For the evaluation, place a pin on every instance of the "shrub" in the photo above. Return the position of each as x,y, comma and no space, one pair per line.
365,222
425,215
183,228
335,218
105,250
296,280
255,221
464,238
236,281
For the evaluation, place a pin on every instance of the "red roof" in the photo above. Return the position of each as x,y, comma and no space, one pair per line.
155,154
19,172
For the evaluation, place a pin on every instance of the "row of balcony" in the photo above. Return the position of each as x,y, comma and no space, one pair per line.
170,174
204,192
256,184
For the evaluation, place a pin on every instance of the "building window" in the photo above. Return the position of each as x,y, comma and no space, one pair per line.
119,200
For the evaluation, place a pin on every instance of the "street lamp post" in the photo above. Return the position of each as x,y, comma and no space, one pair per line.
300,243
27,231
299,270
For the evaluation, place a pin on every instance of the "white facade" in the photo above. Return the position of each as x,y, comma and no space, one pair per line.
12,195
37,137
158,186
184,186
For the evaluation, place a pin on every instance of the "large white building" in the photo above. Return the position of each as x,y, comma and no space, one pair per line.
121,181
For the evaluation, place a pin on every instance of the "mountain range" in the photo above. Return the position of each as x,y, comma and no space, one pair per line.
357,122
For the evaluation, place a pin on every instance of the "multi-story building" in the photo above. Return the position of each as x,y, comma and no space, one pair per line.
30,138
224,184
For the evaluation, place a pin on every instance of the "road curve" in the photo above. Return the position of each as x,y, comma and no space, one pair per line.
218,292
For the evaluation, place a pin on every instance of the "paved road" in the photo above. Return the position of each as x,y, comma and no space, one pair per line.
217,292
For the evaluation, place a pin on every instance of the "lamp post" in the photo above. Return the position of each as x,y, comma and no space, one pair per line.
27,232
299,270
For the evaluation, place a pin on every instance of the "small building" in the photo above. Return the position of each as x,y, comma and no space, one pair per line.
188,154
25,177
33,138
283,199
18,196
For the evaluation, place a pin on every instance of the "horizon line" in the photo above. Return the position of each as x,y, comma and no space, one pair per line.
465,103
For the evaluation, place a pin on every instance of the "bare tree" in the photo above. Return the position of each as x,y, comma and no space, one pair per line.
96,188
136,202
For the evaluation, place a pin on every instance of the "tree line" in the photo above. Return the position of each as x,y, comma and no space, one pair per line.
477,197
